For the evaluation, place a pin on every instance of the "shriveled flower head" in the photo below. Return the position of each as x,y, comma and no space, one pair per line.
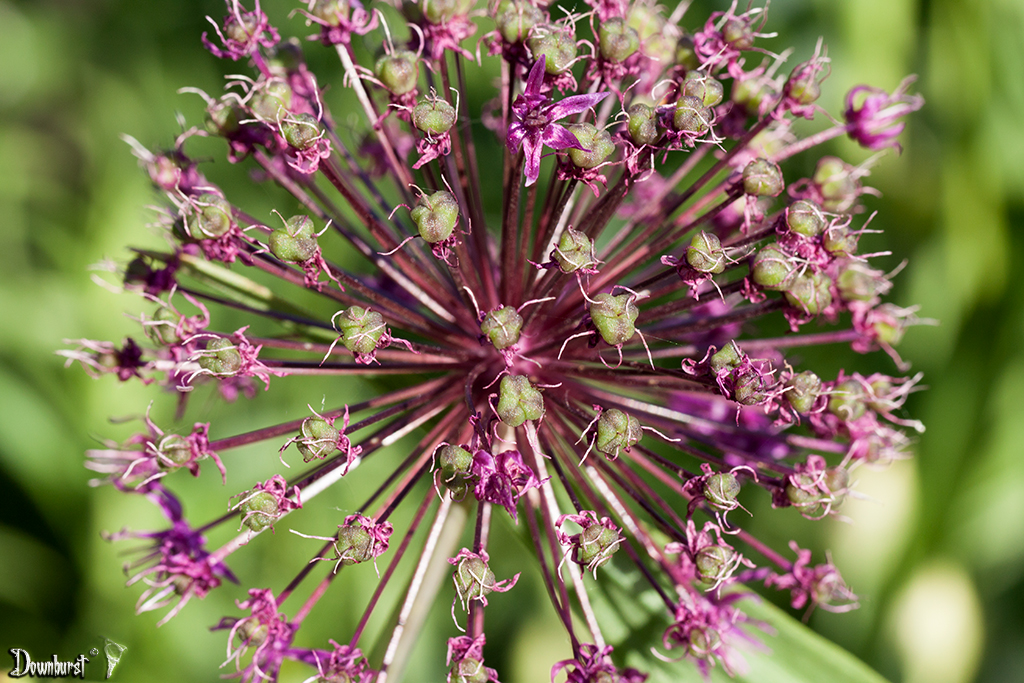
571,286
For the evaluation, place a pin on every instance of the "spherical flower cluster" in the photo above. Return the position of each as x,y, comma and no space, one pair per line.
584,356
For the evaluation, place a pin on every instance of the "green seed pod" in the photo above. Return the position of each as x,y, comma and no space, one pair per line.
726,358
597,143
749,388
296,242
805,218
763,178
890,325
705,254
361,329
847,400
240,27
250,632
575,250
829,589
839,240
301,131
686,53
617,432
614,317
802,493
617,40
442,11
802,390
771,268
595,546
857,282
174,452
803,86
354,544
721,491
515,18
752,93
518,401
319,439
645,20
330,11
259,511
212,218
434,116
715,563
811,293
469,670
436,216
474,580
703,642
559,48
702,86
837,183
455,463
272,102
838,482
691,115
221,358
285,58
643,124
162,329
659,48
502,327
223,118
738,33
398,71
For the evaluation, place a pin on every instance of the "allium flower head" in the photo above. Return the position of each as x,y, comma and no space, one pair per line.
586,352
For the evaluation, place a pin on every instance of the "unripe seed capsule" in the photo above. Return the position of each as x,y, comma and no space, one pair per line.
614,317
398,71
705,88
597,145
436,216
643,124
763,178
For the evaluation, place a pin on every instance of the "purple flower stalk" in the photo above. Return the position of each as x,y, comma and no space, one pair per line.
551,356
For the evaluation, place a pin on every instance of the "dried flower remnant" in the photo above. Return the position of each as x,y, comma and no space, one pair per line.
489,322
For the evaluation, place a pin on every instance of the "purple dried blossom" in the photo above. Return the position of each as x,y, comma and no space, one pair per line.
593,665
873,116
466,659
160,454
242,32
813,586
535,127
177,567
266,632
501,374
706,629
502,479
706,557
342,663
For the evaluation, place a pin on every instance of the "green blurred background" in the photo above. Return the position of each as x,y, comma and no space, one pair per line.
937,551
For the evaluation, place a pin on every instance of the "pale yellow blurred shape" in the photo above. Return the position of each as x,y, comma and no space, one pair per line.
936,625
868,548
